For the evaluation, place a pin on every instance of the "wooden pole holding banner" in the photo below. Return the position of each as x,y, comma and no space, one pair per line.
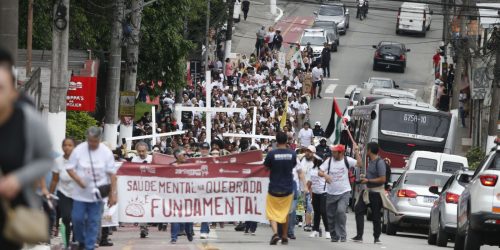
208,90
254,124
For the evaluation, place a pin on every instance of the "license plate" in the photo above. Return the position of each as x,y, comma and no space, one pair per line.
429,199
390,57
406,26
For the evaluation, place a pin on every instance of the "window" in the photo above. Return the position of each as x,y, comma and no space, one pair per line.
464,179
332,11
421,179
452,167
408,123
495,163
426,164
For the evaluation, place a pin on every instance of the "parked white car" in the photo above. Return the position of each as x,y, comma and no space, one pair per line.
414,17
444,211
411,197
440,162
478,214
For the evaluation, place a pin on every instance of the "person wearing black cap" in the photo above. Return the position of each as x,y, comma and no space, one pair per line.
322,150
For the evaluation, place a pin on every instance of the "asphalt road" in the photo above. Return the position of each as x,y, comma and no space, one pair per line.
352,64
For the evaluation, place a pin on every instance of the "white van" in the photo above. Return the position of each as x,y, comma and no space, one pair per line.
414,17
439,162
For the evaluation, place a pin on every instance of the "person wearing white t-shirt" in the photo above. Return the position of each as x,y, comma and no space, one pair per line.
317,75
335,170
307,163
142,157
91,165
64,185
305,136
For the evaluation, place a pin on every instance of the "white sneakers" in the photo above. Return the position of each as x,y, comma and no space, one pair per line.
203,236
314,234
327,235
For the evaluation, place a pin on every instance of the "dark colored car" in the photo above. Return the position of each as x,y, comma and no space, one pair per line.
390,55
332,33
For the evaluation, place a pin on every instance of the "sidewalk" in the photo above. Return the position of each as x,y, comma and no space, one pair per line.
244,33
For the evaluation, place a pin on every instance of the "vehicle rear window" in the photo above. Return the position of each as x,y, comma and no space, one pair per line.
331,11
495,163
407,123
426,164
464,179
421,179
390,49
452,167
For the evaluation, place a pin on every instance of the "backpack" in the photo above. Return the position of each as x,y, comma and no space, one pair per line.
351,175
388,172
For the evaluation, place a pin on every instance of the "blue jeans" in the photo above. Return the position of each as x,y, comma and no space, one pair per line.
176,228
462,115
86,218
205,229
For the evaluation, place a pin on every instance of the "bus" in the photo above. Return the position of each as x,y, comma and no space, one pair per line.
401,126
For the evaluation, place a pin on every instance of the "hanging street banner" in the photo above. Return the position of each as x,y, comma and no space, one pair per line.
192,193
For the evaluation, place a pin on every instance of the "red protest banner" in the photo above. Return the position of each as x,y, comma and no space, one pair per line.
162,159
192,192
241,158
81,93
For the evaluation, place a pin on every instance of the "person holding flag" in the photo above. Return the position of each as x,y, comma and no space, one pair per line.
334,123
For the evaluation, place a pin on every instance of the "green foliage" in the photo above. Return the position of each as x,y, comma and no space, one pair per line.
89,25
140,108
474,157
77,124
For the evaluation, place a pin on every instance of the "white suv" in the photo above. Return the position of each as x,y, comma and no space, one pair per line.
478,214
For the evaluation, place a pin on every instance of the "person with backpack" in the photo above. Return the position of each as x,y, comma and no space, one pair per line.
335,170
374,194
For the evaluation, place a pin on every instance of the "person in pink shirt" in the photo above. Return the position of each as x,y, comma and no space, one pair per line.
228,72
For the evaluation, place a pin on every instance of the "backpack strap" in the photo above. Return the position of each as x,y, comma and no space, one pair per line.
328,171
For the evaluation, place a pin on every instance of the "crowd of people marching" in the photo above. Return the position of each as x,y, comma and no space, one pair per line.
84,175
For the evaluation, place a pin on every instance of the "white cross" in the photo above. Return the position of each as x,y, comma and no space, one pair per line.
208,109
154,135
253,136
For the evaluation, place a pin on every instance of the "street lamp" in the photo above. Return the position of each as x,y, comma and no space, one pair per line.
60,18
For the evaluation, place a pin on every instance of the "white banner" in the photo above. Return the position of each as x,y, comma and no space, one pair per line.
228,192
109,215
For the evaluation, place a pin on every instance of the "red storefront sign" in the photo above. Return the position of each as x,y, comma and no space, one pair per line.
81,93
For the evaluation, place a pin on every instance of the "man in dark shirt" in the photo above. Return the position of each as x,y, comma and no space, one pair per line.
317,130
245,7
278,40
374,180
325,60
322,150
281,162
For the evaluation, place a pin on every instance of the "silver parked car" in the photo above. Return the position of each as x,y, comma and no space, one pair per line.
334,12
411,197
444,211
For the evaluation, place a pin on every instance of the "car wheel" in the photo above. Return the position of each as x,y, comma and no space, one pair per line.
472,239
391,228
402,69
442,236
431,238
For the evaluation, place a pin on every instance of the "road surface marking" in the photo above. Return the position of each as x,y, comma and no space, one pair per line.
280,15
330,89
349,89
333,79
328,97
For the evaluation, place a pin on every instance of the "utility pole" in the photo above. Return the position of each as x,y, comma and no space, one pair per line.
462,48
229,31
29,35
59,76
495,91
132,60
273,6
446,21
9,22
114,70
207,40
